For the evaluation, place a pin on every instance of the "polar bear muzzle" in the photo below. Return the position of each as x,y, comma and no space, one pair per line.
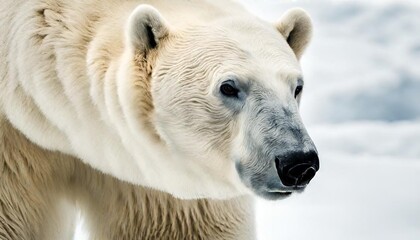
278,156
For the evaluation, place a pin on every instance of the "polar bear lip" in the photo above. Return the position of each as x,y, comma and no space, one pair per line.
276,195
280,191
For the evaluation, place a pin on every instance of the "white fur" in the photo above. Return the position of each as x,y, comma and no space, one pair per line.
69,83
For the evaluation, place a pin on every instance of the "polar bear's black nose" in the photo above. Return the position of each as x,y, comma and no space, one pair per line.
297,168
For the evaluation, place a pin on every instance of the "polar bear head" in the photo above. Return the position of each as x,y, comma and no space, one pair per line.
222,100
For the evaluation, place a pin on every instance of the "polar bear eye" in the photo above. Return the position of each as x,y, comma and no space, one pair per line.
298,90
228,89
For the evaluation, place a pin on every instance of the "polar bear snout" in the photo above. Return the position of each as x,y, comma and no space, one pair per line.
297,169
279,156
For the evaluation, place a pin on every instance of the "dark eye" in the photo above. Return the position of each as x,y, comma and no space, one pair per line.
228,89
298,90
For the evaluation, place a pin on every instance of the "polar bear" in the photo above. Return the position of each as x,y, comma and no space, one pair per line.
159,120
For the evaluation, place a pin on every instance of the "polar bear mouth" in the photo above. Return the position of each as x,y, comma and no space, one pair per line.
280,192
276,195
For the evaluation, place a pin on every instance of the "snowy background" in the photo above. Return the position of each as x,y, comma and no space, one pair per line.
362,108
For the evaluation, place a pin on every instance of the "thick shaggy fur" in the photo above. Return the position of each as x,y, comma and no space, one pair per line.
39,190
98,95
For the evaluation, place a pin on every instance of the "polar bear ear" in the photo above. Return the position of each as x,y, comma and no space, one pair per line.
146,28
296,27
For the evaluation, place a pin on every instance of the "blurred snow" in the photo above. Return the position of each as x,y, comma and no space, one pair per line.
362,108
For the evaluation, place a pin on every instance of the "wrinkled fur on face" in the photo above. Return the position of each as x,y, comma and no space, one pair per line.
133,92
190,109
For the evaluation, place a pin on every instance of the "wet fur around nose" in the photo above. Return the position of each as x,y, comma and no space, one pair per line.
272,128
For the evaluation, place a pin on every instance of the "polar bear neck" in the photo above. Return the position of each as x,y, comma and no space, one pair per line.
55,98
